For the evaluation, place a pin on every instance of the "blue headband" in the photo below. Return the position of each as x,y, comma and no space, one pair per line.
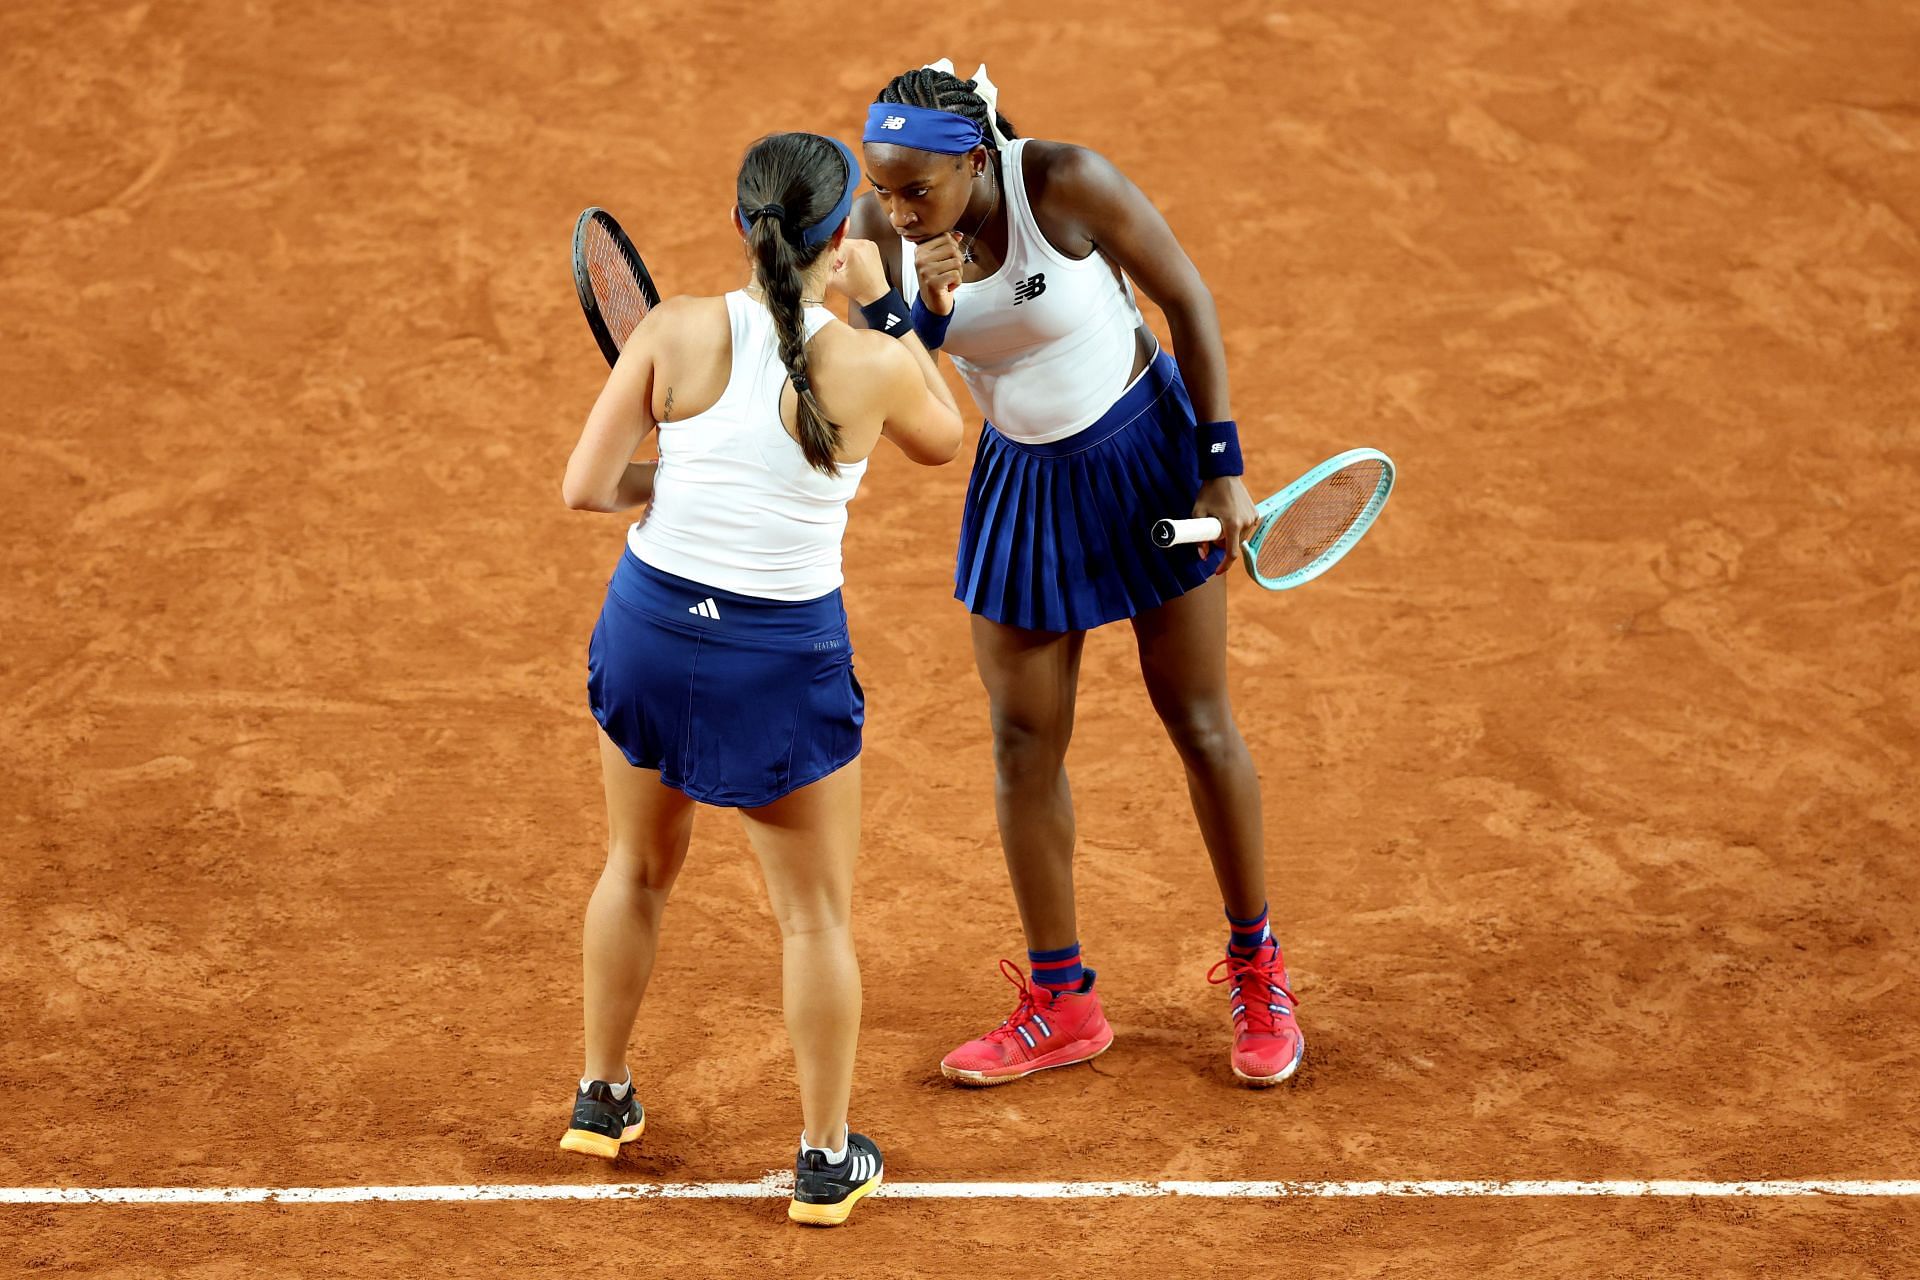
821,231
921,128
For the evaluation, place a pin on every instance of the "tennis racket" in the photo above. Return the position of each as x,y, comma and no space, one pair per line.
615,290
1305,528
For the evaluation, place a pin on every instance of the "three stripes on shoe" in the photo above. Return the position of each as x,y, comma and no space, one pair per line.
1037,1020
864,1167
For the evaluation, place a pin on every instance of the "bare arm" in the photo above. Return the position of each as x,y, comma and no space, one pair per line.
870,223
601,474
917,411
921,417
1087,196
636,486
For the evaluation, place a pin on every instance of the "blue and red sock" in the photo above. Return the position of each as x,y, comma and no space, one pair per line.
1058,970
1248,936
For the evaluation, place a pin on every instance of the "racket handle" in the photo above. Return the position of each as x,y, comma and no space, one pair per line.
1174,533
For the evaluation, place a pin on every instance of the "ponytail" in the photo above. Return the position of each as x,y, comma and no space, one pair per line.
789,181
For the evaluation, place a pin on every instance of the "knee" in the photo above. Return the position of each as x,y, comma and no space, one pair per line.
1204,734
1026,746
813,917
641,867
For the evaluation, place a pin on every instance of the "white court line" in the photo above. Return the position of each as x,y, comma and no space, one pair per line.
777,1186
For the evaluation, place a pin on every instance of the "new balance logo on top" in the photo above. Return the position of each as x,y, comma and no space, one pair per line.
894,122
892,320
1030,288
1219,447
706,608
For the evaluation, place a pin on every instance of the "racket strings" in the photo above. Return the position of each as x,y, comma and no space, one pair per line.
622,302
1317,522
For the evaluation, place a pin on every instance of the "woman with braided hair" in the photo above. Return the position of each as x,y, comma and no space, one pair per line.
721,669
1019,258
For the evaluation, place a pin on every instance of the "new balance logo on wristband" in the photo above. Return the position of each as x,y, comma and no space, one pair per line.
1030,288
1220,446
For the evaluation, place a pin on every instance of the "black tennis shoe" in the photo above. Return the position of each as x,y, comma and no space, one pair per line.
601,1122
824,1194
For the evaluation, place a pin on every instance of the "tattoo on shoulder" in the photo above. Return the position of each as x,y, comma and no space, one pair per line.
667,414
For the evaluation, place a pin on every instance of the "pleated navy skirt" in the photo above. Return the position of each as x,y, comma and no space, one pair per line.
736,700
1057,537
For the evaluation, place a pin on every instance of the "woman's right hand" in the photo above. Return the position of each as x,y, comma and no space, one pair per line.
938,263
858,273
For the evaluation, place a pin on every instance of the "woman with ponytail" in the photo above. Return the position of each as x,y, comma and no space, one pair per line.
1019,257
720,670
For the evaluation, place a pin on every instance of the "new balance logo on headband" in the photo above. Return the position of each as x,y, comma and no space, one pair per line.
706,608
894,122
1030,288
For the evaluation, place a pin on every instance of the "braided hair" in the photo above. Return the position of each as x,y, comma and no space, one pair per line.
944,91
788,182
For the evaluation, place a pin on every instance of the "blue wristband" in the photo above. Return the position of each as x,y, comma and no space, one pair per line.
932,328
1218,444
888,315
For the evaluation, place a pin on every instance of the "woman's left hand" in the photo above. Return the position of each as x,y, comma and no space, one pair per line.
1225,498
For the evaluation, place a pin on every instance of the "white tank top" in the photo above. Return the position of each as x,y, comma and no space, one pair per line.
1046,343
735,503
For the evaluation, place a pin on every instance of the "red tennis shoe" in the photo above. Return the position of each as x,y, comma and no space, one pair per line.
1046,1029
1267,1042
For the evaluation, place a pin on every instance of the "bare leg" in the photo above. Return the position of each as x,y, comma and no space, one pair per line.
1031,679
807,843
1183,655
648,826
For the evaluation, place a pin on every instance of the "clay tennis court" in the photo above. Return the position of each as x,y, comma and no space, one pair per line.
1588,775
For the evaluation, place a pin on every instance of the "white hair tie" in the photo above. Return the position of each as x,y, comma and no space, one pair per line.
989,93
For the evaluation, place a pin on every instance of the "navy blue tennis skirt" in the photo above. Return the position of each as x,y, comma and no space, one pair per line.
736,700
1057,537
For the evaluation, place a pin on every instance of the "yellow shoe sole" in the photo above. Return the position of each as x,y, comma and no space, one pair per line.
589,1143
830,1215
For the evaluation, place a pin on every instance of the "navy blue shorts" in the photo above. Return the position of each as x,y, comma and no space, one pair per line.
736,700
1058,537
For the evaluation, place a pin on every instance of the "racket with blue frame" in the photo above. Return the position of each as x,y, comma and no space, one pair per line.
1303,530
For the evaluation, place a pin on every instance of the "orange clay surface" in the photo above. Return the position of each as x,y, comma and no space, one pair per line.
1589,776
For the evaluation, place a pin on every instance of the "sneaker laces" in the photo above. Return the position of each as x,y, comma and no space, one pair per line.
1263,1012
1023,1012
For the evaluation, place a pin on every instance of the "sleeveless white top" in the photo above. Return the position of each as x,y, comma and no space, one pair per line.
1046,343
735,503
